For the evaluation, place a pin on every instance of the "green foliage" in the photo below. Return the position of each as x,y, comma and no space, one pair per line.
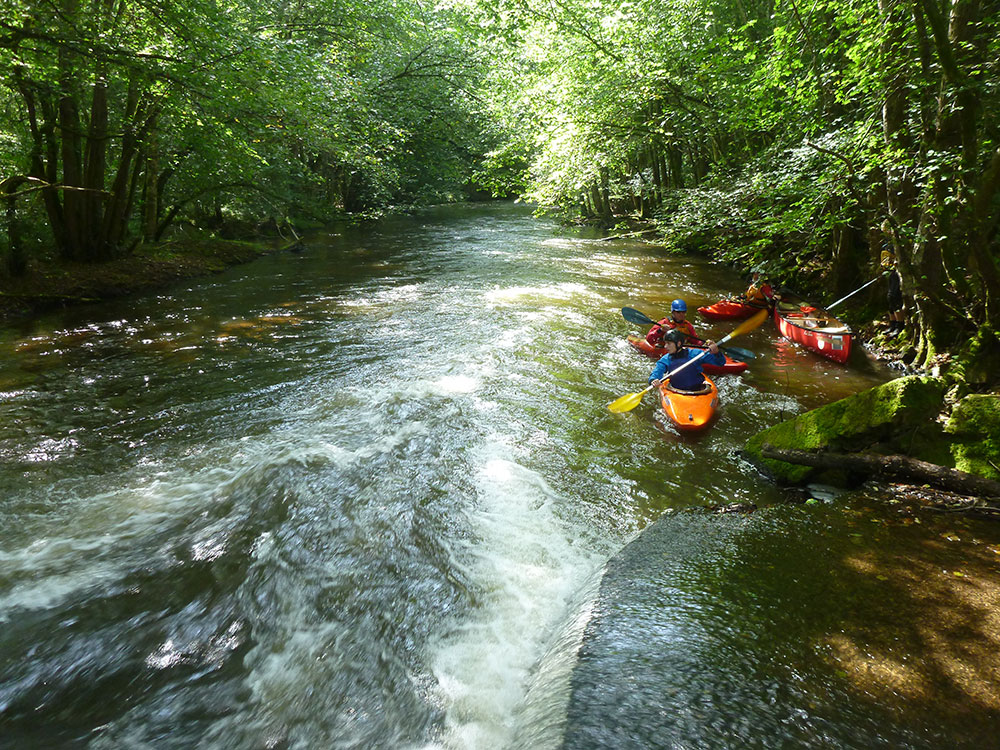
805,135
777,212
239,112
786,134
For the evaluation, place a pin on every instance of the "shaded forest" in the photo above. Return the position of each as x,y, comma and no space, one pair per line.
802,137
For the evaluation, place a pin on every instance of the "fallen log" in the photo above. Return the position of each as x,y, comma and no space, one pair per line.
893,466
639,233
296,245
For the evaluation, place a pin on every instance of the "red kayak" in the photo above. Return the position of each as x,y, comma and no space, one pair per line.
732,366
728,309
814,328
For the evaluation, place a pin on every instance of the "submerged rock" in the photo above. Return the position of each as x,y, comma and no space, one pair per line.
898,416
804,626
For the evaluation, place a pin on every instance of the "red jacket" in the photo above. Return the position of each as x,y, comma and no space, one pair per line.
655,335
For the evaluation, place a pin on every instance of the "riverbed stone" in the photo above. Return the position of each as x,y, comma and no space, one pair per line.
898,416
974,432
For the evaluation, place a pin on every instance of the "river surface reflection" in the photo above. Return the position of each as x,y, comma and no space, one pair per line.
360,496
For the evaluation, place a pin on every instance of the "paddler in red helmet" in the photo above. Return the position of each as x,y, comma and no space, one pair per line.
676,321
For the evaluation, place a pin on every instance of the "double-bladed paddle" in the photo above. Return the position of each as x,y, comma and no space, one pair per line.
635,316
631,400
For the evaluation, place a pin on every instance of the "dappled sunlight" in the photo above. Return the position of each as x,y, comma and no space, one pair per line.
878,673
934,635
185,337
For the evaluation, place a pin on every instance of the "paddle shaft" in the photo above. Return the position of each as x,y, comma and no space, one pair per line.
703,352
753,322
854,292
640,318
686,364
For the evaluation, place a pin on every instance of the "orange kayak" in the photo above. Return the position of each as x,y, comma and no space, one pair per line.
690,411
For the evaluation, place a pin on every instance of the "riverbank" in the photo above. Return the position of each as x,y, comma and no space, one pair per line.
53,284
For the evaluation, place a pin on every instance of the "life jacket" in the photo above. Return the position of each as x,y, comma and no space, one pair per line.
691,377
759,295
655,335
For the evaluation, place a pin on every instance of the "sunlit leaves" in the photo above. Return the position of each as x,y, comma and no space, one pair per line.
318,106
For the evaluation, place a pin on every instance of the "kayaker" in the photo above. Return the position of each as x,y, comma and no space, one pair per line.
676,321
691,377
759,293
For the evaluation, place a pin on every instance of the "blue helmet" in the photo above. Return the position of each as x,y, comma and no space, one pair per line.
678,305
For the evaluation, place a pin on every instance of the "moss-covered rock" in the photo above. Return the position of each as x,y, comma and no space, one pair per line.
978,363
889,415
974,428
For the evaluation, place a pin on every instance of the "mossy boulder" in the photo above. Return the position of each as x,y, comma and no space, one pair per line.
888,416
974,429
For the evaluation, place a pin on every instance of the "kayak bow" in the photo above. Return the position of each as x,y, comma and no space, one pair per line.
690,411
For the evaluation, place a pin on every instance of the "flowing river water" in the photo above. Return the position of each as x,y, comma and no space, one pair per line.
364,495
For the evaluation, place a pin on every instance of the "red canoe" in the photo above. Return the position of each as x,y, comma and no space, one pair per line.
732,366
690,411
728,309
816,329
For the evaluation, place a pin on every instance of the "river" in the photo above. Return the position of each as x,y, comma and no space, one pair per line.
359,496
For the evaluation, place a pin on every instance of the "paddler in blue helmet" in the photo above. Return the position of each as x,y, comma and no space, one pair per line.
691,377
677,320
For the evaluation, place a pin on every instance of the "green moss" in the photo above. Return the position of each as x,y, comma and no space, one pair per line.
975,415
887,414
975,427
979,362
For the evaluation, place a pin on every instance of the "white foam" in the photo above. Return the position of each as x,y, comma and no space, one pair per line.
457,384
527,566
515,294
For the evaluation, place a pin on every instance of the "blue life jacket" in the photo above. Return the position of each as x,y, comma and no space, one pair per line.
691,378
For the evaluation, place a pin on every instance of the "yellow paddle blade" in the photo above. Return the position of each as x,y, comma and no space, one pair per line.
627,402
747,325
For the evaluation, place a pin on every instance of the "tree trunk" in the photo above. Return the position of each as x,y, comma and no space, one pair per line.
151,185
17,261
676,166
93,235
895,467
43,156
606,212
119,204
72,162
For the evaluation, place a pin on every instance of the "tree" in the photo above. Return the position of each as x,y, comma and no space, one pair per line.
751,129
132,113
